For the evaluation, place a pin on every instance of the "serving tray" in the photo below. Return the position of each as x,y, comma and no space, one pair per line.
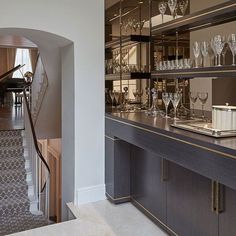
204,128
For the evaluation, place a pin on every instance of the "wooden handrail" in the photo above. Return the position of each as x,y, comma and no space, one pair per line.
33,130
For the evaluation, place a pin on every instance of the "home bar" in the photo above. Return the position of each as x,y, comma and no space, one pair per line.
170,122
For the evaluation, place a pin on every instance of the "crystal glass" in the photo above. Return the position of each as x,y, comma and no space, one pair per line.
141,24
112,96
126,98
117,97
203,99
196,52
135,26
187,63
219,43
183,5
162,9
193,98
204,50
138,93
125,26
172,6
212,54
166,100
175,99
154,108
232,45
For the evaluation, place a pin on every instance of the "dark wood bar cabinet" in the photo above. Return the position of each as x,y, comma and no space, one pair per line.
185,182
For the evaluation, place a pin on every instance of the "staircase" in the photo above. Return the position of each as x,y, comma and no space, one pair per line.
15,171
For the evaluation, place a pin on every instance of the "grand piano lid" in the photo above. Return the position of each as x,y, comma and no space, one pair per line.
5,75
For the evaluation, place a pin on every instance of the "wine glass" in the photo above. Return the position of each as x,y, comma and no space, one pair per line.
204,50
125,26
232,45
203,96
219,42
172,6
196,52
166,100
112,96
135,26
175,99
183,5
162,9
117,97
140,25
193,98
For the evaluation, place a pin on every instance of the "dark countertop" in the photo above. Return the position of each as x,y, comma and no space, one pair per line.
162,126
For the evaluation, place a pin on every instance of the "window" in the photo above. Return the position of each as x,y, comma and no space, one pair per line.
22,57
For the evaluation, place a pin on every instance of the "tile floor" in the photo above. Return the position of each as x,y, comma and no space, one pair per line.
102,219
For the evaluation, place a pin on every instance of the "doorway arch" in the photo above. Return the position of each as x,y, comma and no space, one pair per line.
57,54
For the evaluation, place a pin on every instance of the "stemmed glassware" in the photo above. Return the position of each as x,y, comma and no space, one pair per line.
214,50
117,97
204,50
166,100
141,25
183,5
162,9
219,43
203,96
172,5
232,45
154,110
193,98
196,52
175,99
112,96
138,94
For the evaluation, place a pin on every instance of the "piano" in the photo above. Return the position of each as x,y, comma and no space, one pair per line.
9,84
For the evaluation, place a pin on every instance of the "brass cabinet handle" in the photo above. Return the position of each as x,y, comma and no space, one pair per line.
164,170
220,198
213,196
217,197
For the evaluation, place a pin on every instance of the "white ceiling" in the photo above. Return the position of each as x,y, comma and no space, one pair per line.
109,3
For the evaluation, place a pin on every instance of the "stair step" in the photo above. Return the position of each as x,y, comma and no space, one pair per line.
12,190
20,223
13,176
10,133
11,142
11,152
12,163
14,206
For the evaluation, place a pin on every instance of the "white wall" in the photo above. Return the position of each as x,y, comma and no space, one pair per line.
82,22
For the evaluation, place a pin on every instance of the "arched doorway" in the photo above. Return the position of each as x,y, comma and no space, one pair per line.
56,119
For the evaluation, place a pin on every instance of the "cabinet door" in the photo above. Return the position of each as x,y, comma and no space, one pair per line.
189,203
147,188
227,219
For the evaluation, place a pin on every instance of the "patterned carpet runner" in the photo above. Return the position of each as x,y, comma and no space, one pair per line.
15,215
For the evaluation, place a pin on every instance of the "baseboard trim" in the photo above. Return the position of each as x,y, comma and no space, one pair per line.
90,194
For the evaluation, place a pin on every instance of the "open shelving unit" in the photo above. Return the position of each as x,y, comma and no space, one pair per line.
216,15
128,76
127,41
219,14
219,72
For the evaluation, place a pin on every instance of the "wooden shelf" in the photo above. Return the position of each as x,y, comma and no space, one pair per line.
128,76
127,40
219,14
208,72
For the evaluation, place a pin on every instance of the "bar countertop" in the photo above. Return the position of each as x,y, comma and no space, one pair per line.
162,126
